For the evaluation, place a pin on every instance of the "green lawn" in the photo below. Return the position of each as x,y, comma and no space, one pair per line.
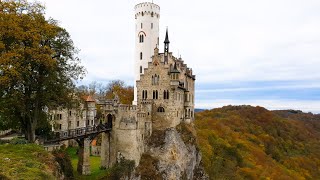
95,164
26,161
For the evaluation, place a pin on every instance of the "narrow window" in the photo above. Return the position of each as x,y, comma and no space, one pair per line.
142,94
152,80
70,113
140,69
164,95
78,123
140,55
167,94
156,94
151,25
141,38
60,126
141,23
146,95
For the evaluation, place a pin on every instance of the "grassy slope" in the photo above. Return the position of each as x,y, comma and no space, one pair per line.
26,162
246,142
95,163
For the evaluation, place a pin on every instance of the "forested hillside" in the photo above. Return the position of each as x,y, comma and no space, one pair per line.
244,142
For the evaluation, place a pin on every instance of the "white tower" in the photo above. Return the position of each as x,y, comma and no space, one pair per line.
147,17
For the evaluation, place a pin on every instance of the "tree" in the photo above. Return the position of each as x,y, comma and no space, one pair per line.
109,91
38,65
118,87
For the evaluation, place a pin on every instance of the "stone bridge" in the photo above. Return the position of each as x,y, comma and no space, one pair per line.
84,137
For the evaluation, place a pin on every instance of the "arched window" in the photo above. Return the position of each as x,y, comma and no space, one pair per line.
140,55
160,109
140,69
155,94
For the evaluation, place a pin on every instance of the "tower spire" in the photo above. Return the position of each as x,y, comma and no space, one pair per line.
166,47
166,41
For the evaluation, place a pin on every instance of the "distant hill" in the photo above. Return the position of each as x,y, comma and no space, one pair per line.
199,110
244,142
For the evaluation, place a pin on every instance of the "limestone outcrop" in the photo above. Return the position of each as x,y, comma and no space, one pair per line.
171,154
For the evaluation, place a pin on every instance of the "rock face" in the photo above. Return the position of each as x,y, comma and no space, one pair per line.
171,154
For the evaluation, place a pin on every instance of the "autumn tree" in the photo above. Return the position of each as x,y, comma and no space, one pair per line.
38,65
118,88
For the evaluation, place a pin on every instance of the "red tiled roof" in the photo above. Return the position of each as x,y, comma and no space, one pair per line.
88,98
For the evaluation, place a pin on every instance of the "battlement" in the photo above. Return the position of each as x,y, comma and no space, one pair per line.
147,5
147,9
125,107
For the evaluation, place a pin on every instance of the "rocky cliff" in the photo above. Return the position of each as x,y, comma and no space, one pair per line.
171,154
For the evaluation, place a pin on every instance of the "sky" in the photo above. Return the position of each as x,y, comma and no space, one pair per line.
254,52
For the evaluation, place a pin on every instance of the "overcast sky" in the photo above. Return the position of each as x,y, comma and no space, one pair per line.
257,52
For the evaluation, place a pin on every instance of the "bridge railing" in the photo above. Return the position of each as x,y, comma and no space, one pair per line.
78,132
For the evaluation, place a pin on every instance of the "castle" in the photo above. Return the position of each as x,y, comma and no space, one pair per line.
163,95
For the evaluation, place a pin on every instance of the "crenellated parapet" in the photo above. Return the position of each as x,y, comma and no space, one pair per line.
147,9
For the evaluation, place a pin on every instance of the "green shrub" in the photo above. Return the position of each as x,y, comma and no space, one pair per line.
17,140
64,160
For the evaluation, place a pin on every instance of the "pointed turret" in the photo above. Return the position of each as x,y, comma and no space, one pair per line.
175,69
166,41
166,47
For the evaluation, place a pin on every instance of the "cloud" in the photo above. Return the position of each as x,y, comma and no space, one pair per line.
272,104
229,44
